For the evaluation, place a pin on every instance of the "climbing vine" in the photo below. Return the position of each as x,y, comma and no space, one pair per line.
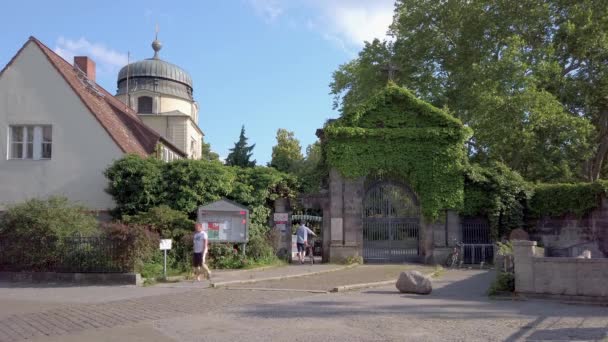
396,134
561,199
496,192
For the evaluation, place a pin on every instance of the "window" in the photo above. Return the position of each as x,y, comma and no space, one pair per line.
30,142
144,105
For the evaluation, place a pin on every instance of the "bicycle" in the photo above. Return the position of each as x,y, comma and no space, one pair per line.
309,251
455,256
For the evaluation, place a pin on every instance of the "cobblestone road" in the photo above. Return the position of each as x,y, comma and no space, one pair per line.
457,310
73,318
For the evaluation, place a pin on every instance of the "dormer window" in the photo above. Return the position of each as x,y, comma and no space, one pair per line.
144,105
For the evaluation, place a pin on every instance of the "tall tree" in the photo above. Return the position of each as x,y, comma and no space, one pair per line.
287,153
240,154
530,77
207,153
311,170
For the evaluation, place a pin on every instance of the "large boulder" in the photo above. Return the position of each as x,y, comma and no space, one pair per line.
414,282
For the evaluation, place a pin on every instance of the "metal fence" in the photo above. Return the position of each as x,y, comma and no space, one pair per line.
68,255
477,244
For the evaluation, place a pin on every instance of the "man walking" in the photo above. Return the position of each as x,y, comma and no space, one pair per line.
201,243
302,239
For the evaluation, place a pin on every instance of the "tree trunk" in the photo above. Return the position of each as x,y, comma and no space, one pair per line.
598,160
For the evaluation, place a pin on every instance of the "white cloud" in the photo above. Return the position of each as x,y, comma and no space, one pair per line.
107,60
268,9
358,21
346,23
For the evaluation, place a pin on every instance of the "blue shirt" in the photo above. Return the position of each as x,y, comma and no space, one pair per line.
302,233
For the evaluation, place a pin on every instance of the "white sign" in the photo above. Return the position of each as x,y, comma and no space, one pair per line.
281,218
165,244
294,245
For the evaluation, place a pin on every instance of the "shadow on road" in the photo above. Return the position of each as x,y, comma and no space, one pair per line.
457,296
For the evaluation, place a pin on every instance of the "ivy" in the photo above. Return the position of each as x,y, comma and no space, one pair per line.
396,134
561,199
497,193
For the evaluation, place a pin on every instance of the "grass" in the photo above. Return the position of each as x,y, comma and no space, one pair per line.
276,262
438,272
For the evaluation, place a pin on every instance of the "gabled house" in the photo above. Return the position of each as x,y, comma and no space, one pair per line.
59,130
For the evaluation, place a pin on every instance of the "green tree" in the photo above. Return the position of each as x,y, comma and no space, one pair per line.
207,153
311,171
287,153
240,154
530,78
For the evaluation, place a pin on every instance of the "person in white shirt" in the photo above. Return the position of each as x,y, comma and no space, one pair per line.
201,243
302,239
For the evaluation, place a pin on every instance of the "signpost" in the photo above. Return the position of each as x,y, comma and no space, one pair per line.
281,220
165,245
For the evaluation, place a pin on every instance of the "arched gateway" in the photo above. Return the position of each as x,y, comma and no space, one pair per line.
392,140
391,223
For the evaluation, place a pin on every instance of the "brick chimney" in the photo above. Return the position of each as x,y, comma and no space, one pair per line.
87,66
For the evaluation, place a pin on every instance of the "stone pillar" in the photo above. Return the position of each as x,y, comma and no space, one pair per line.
326,232
523,256
353,212
281,205
336,206
426,241
454,228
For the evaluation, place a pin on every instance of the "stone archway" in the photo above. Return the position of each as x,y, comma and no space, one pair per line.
391,223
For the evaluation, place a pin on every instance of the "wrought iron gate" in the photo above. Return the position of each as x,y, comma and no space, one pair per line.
391,222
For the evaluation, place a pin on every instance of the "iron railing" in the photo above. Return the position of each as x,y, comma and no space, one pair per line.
68,255
477,242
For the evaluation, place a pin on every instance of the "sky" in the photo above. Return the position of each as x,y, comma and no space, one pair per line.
265,64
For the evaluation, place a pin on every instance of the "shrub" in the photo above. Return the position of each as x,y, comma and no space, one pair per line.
55,217
259,248
169,224
189,183
135,184
504,282
135,244
223,255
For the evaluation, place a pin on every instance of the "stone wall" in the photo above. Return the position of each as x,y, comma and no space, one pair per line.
571,277
567,236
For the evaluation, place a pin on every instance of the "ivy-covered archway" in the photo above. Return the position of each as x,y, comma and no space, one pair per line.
399,136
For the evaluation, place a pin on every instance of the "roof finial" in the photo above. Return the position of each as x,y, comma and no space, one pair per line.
156,45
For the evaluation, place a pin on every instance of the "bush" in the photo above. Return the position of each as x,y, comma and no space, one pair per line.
135,245
504,282
223,256
169,224
135,184
259,248
55,217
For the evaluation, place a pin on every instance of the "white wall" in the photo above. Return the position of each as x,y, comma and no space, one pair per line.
170,104
194,134
33,92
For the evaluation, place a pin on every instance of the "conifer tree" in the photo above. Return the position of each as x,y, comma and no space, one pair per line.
240,154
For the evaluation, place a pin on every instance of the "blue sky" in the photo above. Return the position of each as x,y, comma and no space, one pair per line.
266,64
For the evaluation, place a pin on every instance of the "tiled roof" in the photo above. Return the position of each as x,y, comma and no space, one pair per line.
120,121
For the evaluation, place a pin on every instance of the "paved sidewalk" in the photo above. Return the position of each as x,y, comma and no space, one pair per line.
327,282
235,276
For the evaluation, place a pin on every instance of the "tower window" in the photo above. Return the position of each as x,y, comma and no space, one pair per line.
144,105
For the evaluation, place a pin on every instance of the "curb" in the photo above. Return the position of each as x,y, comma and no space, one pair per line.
249,281
271,289
359,286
